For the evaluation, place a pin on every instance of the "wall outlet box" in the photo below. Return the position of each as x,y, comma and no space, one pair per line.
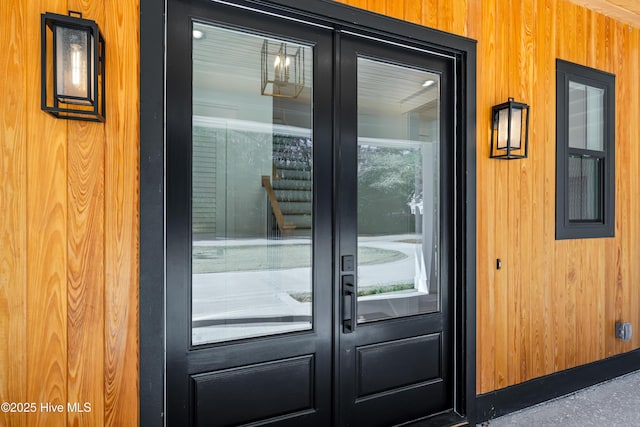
623,331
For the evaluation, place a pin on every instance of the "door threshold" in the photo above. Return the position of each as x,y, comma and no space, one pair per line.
444,419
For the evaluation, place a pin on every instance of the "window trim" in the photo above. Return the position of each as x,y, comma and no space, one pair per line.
566,229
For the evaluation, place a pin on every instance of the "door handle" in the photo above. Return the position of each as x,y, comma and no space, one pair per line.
349,300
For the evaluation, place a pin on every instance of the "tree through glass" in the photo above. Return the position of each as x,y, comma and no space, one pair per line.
398,190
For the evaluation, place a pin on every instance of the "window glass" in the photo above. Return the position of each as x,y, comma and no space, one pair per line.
595,118
584,188
586,116
577,115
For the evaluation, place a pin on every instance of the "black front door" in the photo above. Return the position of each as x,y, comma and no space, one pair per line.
394,211
309,223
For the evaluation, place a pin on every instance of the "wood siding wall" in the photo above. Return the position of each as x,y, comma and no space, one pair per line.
553,305
69,209
69,229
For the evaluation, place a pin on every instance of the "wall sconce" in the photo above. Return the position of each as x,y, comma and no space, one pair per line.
509,138
282,69
72,50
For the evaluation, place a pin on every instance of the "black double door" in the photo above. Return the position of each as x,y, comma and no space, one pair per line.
309,223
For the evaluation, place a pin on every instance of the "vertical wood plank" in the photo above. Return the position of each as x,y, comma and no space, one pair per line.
535,96
362,4
591,273
121,224
525,204
560,247
574,265
620,297
563,23
487,275
504,355
377,6
602,284
566,256
595,56
395,9
613,266
559,305
592,38
413,11
474,22
459,17
537,133
634,183
579,281
600,36
547,272
47,237
430,13
514,222
624,75
596,284
580,34
86,274
13,227
445,15
85,264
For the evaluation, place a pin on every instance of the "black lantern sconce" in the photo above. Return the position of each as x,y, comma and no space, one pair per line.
282,69
72,50
510,131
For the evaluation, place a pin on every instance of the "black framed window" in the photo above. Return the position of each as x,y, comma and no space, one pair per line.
585,152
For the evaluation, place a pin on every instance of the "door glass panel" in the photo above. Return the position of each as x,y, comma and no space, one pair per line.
398,197
252,169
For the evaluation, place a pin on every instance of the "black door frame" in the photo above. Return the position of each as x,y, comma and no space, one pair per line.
152,181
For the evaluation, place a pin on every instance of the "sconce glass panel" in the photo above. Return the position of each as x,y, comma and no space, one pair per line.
509,137
74,66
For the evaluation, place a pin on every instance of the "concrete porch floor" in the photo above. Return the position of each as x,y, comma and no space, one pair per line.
614,403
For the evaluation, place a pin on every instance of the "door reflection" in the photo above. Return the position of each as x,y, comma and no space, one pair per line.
398,170
252,187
